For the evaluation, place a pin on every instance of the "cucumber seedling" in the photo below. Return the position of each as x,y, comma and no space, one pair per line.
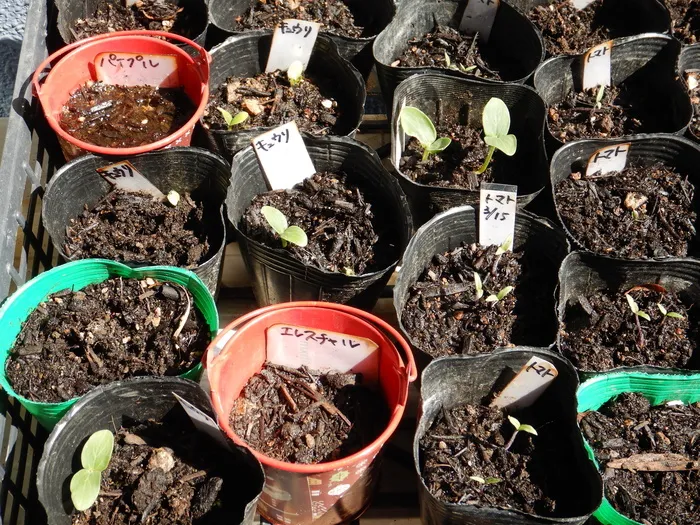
519,427
495,120
278,222
417,124
233,120
94,458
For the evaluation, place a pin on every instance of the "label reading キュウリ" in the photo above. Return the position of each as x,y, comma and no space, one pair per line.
283,156
292,41
124,176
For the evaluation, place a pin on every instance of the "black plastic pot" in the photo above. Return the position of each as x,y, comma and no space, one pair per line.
69,11
645,61
514,40
465,99
373,15
690,59
582,274
645,150
447,231
201,173
139,399
278,277
245,55
573,478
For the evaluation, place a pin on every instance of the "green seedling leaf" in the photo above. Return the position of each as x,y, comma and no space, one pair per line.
228,118
508,144
439,145
84,488
503,248
295,72
643,315
348,271
239,118
633,304
496,118
514,422
467,69
447,59
491,299
662,309
417,124
97,451
527,428
599,96
478,284
275,219
505,291
675,315
492,481
173,198
295,235
478,479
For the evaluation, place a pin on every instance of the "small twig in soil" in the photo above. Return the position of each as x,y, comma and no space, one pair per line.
93,357
332,410
288,398
111,493
192,476
184,317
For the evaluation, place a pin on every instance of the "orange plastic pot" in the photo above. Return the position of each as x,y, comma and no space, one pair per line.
324,493
73,65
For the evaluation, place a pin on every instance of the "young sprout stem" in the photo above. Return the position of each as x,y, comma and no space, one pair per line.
511,440
641,341
485,165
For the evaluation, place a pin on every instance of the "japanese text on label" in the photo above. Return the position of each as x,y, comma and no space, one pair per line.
529,384
137,69
596,66
283,156
293,40
497,208
124,176
607,159
478,18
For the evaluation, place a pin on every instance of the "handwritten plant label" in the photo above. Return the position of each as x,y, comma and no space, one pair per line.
691,76
497,207
293,40
582,4
137,69
607,159
529,384
596,66
202,421
283,156
124,176
293,346
478,18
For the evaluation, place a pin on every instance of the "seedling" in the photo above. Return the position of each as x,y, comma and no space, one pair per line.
278,222
503,248
499,296
233,120
295,73
496,123
417,124
479,286
666,313
95,457
173,198
637,314
599,96
485,481
519,428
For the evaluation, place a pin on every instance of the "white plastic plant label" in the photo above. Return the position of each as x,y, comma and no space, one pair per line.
596,66
607,159
582,4
529,384
497,208
478,18
136,69
292,41
283,156
323,350
203,422
124,176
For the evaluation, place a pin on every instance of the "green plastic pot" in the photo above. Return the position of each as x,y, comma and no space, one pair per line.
77,275
657,388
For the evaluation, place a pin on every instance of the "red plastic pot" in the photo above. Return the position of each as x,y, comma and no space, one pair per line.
73,65
324,493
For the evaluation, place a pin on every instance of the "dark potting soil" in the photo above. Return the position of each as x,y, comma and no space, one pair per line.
446,47
443,316
470,440
160,474
270,101
124,117
335,15
305,416
627,427
105,332
685,19
140,228
453,167
636,214
570,31
600,331
337,219
578,116
154,15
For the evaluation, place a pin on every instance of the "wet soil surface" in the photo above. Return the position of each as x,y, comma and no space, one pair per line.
270,101
636,214
446,47
160,474
443,316
124,117
570,31
105,332
140,228
470,440
600,331
453,167
579,116
154,15
335,16
305,416
685,19
335,216
628,426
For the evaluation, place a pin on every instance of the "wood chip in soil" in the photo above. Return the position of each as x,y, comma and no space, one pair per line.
335,16
160,474
685,19
446,47
635,214
114,116
453,167
628,426
270,101
600,331
140,228
105,332
338,222
153,15
306,416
